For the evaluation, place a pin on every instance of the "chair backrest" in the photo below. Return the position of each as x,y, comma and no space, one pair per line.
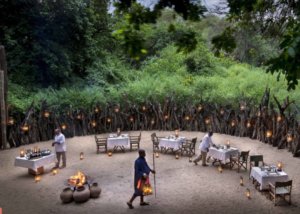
100,139
154,138
193,144
284,183
256,159
244,155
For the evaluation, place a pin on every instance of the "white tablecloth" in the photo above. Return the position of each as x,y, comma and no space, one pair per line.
35,163
264,178
122,140
222,154
171,143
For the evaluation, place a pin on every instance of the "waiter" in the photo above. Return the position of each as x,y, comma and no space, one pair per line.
60,148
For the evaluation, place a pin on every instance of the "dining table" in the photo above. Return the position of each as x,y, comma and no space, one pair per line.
222,154
115,142
265,175
171,143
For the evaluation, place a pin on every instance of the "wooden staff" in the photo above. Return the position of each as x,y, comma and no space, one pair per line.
154,174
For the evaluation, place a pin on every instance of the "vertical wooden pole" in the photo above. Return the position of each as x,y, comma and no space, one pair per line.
3,98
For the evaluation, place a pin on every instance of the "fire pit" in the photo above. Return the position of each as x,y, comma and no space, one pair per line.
80,189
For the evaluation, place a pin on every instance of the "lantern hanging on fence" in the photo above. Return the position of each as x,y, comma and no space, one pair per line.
46,114
96,110
222,111
242,107
269,134
152,122
93,123
232,123
108,120
289,138
247,193
144,108
166,117
10,121
117,109
207,121
81,156
187,118
248,124
25,128
200,107
131,119
63,126
241,181
279,118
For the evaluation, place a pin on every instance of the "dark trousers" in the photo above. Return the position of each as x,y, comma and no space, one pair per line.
64,158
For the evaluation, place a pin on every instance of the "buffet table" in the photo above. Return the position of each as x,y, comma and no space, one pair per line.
35,166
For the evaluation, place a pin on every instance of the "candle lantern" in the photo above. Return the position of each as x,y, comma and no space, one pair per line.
248,124
166,117
190,159
187,118
176,133
108,120
152,122
258,114
247,193
289,138
220,169
279,166
93,123
222,111
177,156
10,121
156,155
22,153
233,123
228,144
144,108
242,107
117,109
241,181
37,178
118,131
207,121
269,134
54,171
109,153
63,126
96,110
279,118
46,114
81,156
79,117
131,119
25,128
199,107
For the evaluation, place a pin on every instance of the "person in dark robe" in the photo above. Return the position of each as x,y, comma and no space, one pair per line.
141,171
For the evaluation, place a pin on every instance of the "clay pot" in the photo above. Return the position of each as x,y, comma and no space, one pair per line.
67,195
81,194
95,190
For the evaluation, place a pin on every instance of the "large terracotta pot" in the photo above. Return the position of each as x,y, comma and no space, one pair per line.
81,194
67,195
95,190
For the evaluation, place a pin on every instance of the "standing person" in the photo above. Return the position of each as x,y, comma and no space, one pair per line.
60,148
204,147
141,171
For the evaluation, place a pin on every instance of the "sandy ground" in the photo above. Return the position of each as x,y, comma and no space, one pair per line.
182,187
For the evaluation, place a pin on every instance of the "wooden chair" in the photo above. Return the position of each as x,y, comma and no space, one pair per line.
155,141
281,189
241,161
101,142
189,147
256,161
135,141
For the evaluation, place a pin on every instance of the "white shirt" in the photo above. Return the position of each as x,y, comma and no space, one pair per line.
206,143
60,145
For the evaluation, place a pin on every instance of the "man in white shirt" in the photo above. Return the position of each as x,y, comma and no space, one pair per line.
204,147
60,148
